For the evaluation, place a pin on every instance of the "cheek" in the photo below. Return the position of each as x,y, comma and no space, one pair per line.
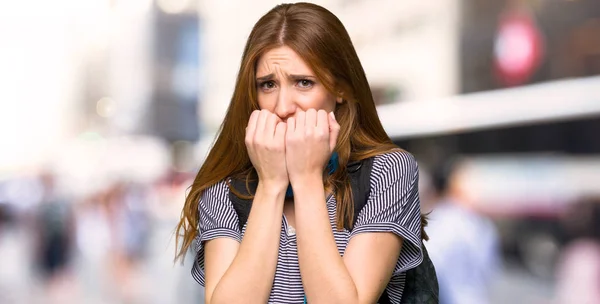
266,102
316,100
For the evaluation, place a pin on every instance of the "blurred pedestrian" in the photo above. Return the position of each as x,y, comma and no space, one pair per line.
53,226
578,270
463,245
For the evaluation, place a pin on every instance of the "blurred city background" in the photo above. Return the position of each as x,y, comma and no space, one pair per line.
109,106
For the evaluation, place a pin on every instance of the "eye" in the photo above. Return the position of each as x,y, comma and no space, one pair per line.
305,83
267,85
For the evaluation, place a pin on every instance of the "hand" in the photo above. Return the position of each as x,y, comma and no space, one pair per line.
265,141
310,139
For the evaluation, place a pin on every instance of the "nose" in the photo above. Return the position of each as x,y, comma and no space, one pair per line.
285,106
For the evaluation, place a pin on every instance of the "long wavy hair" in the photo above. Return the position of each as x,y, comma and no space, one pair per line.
321,40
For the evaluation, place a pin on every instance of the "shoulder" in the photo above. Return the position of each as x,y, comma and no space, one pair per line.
216,209
216,193
393,166
397,159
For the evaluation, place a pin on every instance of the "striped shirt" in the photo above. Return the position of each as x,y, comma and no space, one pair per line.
393,206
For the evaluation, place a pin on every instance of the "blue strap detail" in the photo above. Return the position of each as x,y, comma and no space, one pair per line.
333,163
289,193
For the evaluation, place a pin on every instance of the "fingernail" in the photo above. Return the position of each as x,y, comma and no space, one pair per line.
332,115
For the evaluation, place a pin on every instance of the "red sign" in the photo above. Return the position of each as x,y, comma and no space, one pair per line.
518,48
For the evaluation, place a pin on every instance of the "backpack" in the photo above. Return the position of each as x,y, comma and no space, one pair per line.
421,284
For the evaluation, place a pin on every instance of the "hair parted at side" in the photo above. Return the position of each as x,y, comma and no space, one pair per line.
321,40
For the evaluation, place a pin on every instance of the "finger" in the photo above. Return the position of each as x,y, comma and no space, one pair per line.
291,125
334,131
300,121
271,124
322,120
251,128
311,118
280,132
261,123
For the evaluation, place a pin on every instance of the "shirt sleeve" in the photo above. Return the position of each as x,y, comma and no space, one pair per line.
393,206
217,219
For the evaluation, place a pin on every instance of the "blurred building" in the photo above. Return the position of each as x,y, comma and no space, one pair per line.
525,123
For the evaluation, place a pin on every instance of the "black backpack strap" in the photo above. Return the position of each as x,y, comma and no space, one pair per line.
242,206
360,181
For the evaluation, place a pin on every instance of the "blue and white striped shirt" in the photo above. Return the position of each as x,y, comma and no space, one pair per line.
393,206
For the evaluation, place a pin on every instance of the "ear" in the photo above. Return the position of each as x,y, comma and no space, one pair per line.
339,96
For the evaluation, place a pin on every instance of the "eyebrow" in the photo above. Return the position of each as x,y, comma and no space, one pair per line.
291,77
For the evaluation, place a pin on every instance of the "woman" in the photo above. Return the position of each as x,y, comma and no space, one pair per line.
301,95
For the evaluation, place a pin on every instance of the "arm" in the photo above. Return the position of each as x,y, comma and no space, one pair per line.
327,277
244,273
392,213
248,268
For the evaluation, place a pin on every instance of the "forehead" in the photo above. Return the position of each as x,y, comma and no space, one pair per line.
281,58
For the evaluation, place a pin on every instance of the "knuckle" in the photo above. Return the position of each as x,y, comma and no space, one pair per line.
279,147
273,147
257,140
